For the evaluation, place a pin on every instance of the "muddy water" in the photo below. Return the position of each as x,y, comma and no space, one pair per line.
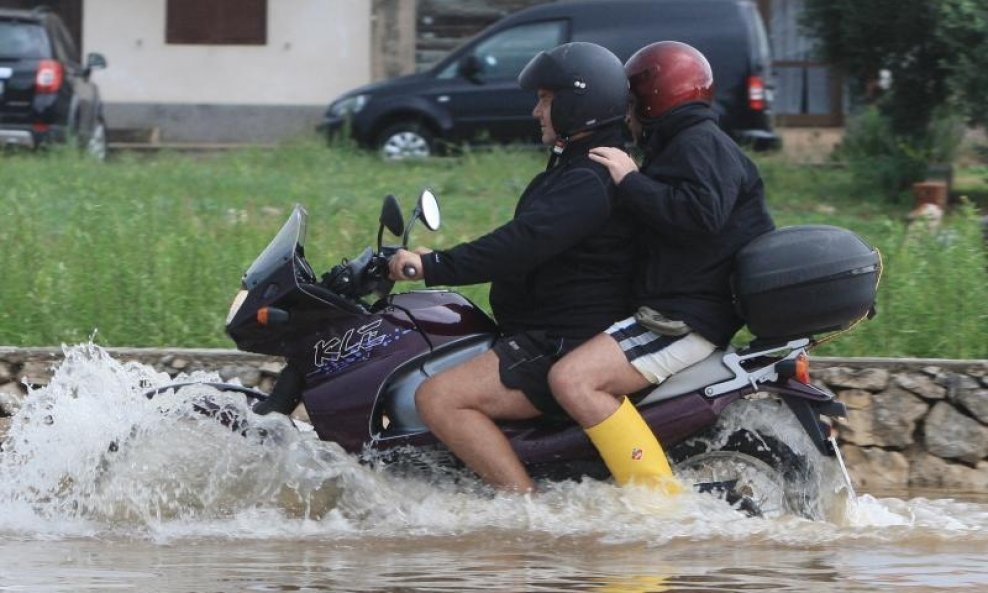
102,490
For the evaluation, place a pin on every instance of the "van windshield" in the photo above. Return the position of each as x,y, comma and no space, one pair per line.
21,40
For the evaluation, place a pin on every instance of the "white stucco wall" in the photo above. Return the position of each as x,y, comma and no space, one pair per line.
316,49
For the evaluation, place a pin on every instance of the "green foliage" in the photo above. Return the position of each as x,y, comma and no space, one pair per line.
931,300
937,53
149,250
963,31
888,164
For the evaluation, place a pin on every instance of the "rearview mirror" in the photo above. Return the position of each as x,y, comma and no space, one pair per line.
471,67
95,61
391,219
428,210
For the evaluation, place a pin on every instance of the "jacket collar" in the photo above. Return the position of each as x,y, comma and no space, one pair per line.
658,132
609,135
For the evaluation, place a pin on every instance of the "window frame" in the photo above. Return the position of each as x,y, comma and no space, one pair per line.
199,22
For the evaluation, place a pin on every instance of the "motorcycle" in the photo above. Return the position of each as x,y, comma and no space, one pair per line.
356,353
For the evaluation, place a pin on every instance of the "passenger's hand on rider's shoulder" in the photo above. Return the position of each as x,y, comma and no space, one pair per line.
617,161
402,260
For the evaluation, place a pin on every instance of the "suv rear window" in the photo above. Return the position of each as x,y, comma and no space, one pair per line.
23,40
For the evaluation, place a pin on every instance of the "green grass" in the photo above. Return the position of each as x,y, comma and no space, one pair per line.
148,250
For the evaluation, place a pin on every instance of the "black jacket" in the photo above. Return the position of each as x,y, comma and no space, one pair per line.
700,199
564,263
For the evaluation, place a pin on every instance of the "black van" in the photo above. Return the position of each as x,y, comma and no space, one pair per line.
472,95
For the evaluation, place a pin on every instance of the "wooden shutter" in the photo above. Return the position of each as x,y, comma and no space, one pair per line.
216,22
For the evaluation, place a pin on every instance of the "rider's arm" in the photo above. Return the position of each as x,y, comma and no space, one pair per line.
548,221
692,190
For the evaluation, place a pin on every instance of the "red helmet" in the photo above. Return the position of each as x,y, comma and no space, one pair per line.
667,74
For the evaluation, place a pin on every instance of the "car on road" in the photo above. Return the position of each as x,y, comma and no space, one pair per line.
473,95
46,93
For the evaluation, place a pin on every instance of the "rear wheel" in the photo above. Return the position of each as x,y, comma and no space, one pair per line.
406,140
746,482
758,458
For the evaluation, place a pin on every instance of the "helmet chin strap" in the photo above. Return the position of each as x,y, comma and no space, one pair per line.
562,141
557,150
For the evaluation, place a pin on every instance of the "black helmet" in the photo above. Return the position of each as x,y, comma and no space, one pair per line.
591,89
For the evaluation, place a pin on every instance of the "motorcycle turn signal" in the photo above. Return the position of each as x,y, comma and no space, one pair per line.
268,316
797,368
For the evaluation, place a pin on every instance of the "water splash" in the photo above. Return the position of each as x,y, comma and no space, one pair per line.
89,454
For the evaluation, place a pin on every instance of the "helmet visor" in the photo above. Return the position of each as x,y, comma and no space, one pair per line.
544,72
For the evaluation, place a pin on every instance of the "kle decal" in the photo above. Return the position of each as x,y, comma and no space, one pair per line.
354,341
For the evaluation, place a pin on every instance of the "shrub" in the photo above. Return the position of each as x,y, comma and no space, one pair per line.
888,163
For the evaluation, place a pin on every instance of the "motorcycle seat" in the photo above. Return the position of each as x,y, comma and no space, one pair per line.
708,371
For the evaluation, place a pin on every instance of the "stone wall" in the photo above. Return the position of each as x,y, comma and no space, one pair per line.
912,423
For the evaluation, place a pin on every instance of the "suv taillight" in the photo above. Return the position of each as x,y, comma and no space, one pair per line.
49,77
756,93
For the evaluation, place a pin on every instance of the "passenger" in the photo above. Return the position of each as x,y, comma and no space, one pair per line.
560,270
698,199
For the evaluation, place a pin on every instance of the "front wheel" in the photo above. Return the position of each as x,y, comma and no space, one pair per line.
209,401
406,140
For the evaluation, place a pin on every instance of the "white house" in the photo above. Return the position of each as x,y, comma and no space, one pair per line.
226,70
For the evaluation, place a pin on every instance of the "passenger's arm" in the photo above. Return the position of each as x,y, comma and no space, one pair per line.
690,194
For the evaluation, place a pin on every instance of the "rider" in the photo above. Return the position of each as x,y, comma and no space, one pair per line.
698,199
560,270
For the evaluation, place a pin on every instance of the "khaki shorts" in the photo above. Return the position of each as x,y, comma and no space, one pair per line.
657,357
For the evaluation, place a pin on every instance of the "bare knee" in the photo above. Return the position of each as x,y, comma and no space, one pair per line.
431,398
567,381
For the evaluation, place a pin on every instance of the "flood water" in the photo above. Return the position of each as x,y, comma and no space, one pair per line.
104,490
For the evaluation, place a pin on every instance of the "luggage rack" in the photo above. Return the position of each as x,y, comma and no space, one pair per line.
734,361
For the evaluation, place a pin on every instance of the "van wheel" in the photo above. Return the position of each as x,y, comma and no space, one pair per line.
405,140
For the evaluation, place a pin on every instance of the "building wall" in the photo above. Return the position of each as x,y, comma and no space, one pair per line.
316,49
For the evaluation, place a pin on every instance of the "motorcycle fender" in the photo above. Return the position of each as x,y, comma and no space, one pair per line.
808,403
223,387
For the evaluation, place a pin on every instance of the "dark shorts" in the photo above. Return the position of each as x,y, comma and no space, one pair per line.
524,360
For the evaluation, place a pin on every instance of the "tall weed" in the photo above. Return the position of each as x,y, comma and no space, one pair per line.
149,250
933,295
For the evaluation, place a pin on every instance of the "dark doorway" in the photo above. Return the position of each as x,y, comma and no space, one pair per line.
69,10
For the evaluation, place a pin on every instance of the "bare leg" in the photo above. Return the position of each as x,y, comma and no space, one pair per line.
460,405
589,381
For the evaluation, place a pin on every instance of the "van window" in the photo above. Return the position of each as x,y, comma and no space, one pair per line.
502,55
761,50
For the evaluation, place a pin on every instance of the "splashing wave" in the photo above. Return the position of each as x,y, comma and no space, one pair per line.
89,454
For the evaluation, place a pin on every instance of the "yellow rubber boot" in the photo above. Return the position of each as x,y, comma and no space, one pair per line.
631,451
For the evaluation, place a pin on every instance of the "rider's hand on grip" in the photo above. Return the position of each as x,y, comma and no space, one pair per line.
405,265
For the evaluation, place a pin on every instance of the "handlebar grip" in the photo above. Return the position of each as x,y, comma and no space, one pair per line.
409,271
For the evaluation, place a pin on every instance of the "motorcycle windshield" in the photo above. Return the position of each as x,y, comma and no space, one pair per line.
280,251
